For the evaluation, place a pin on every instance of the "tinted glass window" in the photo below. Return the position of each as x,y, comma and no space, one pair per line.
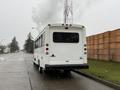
65,37
40,41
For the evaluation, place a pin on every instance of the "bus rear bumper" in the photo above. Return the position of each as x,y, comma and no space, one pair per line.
67,66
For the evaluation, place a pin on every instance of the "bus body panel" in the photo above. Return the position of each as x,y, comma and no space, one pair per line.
67,53
61,54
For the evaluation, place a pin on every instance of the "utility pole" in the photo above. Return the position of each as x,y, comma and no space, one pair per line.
68,12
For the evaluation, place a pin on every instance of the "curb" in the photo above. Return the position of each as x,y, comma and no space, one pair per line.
107,83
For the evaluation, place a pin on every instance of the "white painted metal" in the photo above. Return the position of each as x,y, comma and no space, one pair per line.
65,53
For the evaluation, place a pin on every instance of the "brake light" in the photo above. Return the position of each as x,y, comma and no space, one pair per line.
85,49
47,49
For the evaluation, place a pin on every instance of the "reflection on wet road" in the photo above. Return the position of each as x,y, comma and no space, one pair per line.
17,72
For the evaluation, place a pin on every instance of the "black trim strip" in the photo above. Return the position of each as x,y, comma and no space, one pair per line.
67,66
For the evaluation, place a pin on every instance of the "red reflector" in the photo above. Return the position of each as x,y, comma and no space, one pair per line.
47,53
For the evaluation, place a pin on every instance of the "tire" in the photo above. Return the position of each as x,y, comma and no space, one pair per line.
40,68
34,63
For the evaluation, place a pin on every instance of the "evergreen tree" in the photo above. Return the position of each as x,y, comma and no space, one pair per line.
28,46
14,45
2,49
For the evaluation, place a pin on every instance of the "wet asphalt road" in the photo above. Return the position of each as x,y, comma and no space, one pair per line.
17,72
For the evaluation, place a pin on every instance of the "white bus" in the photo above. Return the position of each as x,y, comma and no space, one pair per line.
61,47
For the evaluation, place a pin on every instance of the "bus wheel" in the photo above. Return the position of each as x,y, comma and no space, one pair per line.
34,63
40,68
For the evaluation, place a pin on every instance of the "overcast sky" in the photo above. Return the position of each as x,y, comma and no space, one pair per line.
16,16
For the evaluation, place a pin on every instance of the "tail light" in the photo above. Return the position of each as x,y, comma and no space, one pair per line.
85,48
47,49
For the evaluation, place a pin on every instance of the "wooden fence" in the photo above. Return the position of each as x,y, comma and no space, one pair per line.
104,46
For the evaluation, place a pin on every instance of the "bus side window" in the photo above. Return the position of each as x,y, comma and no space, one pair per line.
35,44
42,40
39,42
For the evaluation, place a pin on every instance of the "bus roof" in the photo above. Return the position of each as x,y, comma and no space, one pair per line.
66,25
60,25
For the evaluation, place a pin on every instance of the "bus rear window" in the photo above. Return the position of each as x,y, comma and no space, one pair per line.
65,37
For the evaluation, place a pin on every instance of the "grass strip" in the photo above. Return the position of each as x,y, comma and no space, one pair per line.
109,71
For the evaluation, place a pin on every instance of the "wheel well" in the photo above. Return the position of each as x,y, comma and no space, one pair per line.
38,62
